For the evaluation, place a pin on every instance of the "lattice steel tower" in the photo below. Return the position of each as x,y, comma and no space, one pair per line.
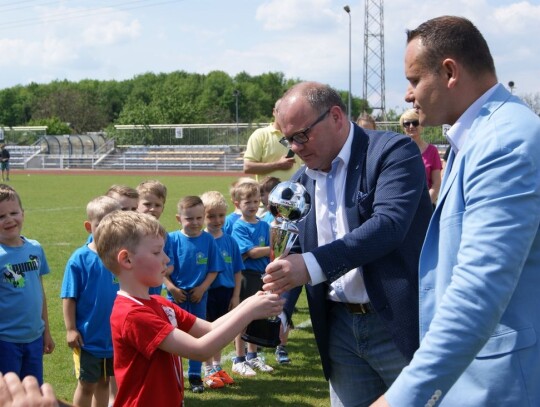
374,86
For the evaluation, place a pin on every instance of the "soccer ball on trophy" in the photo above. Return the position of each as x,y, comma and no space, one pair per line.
289,201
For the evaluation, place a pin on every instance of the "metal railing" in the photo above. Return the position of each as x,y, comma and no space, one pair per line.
186,152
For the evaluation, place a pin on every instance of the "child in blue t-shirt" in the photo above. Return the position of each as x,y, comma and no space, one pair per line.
232,217
196,263
24,324
253,238
88,293
224,293
152,198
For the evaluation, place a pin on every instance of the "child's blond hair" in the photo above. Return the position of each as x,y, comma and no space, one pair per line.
188,202
7,193
98,207
121,230
213,200
246,190
123,190
153,187
241,180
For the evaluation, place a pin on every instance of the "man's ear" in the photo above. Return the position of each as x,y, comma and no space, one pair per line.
123,259
452,72
88,226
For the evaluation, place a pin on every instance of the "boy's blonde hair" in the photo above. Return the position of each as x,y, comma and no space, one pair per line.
241,180
214,200
7,193
153,187
121,230
123,190
188,202
98,207
268,183
246,190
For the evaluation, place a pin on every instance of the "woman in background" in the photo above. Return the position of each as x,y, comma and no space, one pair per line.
430,155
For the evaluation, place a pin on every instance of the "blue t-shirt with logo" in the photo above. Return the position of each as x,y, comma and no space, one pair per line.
193,258
21,295
249,236
232,258
94,288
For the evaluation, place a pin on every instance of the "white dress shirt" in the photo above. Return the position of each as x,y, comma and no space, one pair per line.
332,225
457,134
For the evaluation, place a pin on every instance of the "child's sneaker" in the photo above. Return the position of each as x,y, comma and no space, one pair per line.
213,381
282,356
243,369
196,384
224,376
258,363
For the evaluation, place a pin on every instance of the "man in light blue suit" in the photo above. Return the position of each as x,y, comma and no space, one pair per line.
480,264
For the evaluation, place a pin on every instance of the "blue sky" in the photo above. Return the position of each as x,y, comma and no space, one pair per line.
44,40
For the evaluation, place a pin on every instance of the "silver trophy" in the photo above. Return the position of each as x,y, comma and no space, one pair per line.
289,202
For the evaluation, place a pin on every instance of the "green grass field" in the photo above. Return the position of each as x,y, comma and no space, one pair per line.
54,214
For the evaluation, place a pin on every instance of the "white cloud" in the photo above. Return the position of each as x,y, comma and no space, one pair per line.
277,15
518,18
12,51
45,53
111,32
55,51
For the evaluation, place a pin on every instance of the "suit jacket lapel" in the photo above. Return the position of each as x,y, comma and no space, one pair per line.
308,226
354,173
449,176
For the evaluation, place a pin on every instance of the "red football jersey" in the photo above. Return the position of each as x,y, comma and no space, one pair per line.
145,374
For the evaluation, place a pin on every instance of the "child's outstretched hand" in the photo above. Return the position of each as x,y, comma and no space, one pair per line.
264,305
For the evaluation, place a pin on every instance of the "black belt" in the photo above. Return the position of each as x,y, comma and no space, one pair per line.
365,308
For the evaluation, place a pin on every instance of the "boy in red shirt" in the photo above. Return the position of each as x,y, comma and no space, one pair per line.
150,333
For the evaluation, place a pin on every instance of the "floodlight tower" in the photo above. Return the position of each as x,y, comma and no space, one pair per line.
374,83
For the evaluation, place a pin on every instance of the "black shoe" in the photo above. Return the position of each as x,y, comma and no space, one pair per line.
282,356
196,384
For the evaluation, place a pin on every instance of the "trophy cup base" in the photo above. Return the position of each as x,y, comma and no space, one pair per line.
263,332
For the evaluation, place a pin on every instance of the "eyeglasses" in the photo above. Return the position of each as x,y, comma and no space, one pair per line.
301,137
415,123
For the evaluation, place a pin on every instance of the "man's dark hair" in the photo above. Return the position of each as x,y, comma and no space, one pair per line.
456,38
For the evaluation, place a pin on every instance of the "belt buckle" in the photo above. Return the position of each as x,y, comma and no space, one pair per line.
359,309
364,309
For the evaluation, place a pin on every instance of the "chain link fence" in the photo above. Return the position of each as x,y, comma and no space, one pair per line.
222,134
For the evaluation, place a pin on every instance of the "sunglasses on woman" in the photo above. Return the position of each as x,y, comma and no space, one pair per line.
415,123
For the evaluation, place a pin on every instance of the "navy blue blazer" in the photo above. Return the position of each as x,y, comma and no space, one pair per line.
388,210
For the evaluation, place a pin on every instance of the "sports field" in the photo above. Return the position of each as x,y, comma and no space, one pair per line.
54,204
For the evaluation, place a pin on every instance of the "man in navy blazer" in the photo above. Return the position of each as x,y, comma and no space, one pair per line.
480,264
360,243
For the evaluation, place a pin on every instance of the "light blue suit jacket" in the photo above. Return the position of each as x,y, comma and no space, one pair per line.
480,271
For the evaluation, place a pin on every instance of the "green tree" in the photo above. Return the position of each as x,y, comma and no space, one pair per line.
72,103
55,126
14,106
